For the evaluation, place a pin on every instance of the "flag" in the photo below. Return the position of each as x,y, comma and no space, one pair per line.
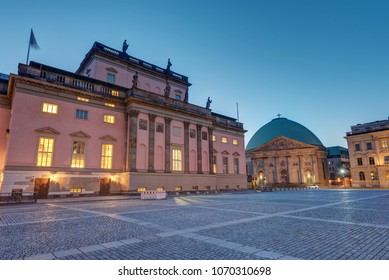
33,42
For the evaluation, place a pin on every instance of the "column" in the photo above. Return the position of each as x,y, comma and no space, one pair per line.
186,147
275,177
300,173
167,144
151,142
287,168
313,169
210,148
133,139
199,150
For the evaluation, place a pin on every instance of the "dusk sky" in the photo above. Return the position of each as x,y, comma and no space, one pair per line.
322,63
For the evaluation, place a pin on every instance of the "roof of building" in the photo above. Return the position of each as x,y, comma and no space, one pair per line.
282,127
337,151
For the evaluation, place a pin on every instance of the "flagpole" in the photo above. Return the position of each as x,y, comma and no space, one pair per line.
28,52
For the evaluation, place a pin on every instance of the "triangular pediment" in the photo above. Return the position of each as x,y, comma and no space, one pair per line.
283,143
47,130
214,151
111,69
108,138
225,152
236,154
79,134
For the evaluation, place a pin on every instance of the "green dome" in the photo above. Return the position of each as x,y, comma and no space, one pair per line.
282,127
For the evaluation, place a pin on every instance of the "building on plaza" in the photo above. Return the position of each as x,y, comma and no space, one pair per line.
368,146
285,152
339,166
117,124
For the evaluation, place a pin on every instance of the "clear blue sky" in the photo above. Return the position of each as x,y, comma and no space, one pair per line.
322,63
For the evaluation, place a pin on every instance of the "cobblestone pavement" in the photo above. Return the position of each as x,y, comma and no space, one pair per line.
305,224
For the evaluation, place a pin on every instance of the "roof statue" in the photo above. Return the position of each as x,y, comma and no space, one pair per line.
209,101
167,90
125,46
169,64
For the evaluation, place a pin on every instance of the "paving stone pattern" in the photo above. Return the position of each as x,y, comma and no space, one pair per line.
306,224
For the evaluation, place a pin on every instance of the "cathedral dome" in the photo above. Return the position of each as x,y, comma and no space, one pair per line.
282,127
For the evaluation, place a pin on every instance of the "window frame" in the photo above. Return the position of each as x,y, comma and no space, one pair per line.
49,154
79,114
48,111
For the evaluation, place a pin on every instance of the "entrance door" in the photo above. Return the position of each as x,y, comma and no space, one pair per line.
42,187
105,185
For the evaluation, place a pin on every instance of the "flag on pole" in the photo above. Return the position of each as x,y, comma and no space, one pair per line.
33,42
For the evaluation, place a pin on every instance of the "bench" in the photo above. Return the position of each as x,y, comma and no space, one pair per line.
17,196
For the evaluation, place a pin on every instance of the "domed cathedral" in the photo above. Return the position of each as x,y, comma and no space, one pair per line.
284,152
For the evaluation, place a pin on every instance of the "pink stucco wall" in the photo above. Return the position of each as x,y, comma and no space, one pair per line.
5,115
124,78
30,117
231,149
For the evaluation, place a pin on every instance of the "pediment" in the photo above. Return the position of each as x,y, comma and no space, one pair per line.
214,151
108,138
80,134
225,152
111,69
283,143
47,130
236,154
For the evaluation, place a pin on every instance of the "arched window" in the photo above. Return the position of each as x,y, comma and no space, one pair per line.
284,176
361,176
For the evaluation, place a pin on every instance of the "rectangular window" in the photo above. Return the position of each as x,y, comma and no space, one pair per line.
83,99
50,108
204,135
176,131
359,161
235,142
178,97
177,159
368,146
224,140
106,156
159,127
142,189
160,188
213,138
109,105
225,165
371,160
115,93
357,147
109,119
179,188
81,114
386,159
214,164
78,154
236,165
192,133
384,143
45,151
142,124
111,78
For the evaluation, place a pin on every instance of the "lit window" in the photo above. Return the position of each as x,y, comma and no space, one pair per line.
81,114
142,189
111,78
50,108
225,165
224,140
384,143
109,119
75,190
78,154
177,159
45,152
106,156
110,105
235,142
160,188
83,99
214,165
374,175
179,188
213,138
115,93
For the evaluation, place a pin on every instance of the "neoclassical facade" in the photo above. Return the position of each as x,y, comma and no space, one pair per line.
368,146
117,124
285,152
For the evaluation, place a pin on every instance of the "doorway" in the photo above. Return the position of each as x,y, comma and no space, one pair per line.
105,185
41,188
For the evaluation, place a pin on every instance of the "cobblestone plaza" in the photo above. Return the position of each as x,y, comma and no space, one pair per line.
305,224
